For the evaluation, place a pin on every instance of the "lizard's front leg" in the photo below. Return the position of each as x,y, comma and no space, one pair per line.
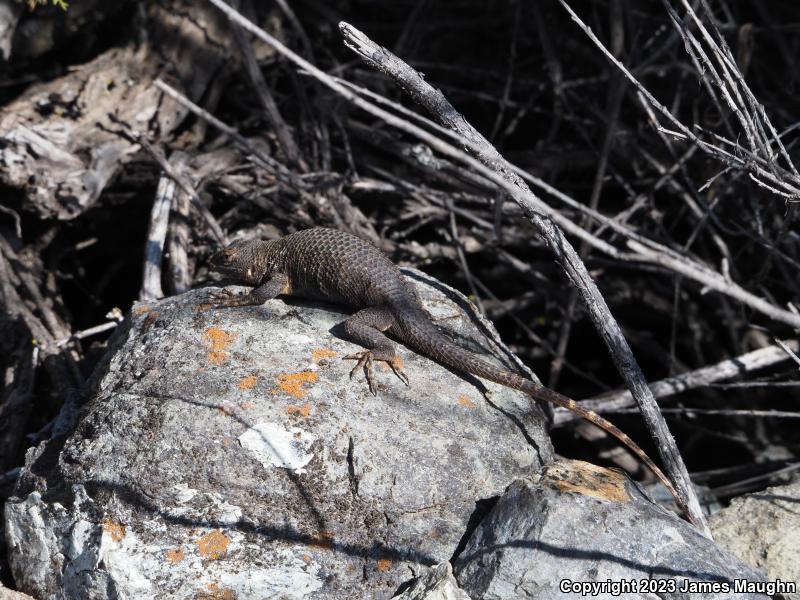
366,328
277,285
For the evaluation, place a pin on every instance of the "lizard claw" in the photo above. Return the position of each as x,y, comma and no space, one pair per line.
224,298
396,365
364,359
223,294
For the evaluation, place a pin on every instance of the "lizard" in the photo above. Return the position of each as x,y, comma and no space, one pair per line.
336,266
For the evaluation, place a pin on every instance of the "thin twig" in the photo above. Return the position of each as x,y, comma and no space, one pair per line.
726,369
209,219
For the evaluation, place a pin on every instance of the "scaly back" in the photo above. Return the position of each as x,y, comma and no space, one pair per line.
334,265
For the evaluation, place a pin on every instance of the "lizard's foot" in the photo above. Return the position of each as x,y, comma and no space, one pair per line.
223,298
396,365
222,294
366,359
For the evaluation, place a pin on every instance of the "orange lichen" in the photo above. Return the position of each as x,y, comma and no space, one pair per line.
247,405
225,409
303,411
584,478
174,556
220,341
306,558
248,383
115,530
384,564
292,383
140,310
215,593
321,354
213,545
465,402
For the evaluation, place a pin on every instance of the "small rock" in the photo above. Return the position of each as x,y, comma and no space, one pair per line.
763,530
437,584
576,525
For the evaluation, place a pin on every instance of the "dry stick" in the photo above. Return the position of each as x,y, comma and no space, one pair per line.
790,348
79,335
547,211
211,222
492,166
271,111
726,412
726,369
17,220
739,487
179,277
157,235
462,257
60,366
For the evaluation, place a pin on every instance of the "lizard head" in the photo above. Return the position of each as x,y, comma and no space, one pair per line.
240,261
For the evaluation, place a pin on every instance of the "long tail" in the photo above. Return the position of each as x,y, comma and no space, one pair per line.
431,342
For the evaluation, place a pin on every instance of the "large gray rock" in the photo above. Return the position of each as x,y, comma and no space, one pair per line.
578,524
763,530
226,454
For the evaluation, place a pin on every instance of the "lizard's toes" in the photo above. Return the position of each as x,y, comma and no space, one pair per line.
222,294
364,359
397,368
222,298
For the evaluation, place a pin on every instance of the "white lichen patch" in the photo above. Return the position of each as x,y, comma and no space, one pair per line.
207,506
280,573
183,493
275,446
30,533
130,563
299,339
289,577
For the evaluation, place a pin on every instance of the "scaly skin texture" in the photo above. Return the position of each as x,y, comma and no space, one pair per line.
332,265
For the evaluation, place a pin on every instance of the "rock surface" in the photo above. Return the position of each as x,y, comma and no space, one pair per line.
437,584
581,523
763,530
226,454
7,594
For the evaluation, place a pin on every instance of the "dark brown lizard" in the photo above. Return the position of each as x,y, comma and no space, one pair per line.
332,265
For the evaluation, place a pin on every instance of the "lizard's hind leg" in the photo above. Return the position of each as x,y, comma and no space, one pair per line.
366,328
